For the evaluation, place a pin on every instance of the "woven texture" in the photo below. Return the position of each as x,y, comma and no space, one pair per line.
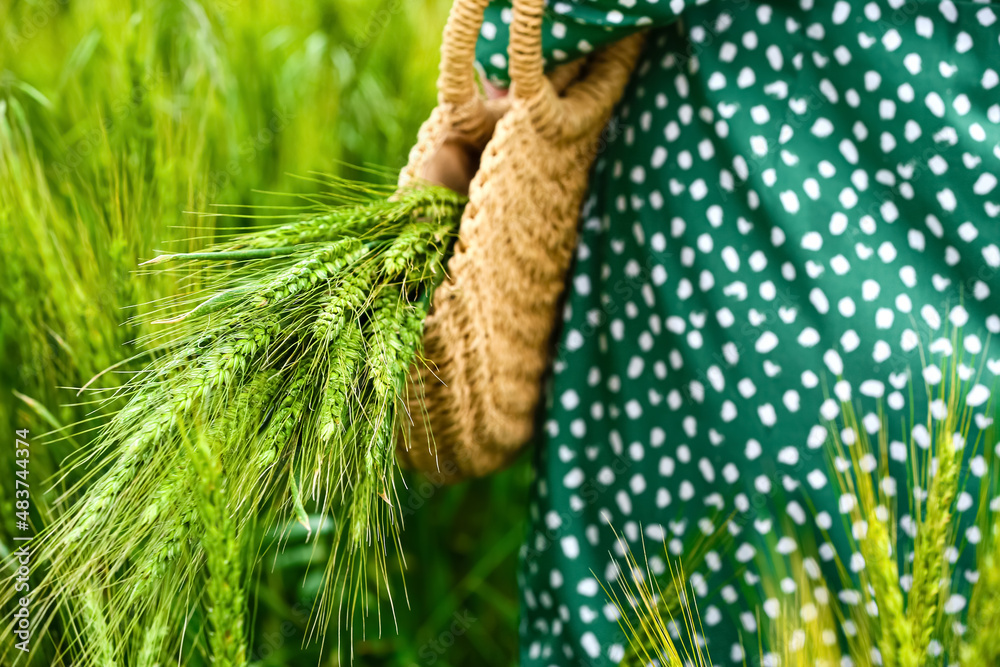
473,399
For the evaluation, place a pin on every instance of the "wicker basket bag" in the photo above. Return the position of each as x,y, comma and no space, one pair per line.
487,340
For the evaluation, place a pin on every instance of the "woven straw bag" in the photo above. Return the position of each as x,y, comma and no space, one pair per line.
473,398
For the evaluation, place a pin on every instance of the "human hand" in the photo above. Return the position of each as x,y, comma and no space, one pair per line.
456,162
453,166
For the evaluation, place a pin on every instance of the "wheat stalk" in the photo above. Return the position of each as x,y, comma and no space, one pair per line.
288,365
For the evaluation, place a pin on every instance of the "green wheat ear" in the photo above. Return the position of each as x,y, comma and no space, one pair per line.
983,645
277,394
907,622
225,596
895,642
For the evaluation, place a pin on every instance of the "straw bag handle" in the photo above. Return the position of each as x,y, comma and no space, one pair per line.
586,102
552,116
461,113
456,82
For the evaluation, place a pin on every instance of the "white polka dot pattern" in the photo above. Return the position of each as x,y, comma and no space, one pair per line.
796,205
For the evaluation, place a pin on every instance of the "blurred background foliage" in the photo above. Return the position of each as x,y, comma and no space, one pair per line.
118,120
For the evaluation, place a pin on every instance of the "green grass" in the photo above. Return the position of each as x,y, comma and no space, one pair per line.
116,121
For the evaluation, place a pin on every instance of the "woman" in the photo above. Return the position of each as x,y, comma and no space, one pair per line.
797,205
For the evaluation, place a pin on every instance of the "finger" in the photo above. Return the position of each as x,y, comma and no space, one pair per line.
494,92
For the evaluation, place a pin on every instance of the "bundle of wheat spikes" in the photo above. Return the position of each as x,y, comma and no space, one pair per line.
281,381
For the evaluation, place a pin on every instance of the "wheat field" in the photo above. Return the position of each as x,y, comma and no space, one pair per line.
129,129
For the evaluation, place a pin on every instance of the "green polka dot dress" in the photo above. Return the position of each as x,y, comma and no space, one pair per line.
798,205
